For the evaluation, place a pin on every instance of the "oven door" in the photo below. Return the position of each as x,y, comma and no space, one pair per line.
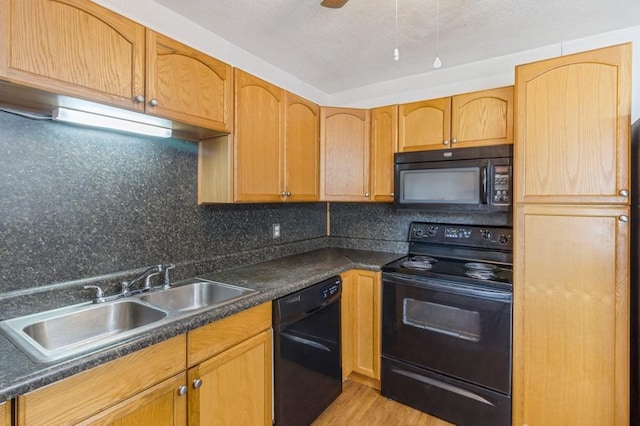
455,329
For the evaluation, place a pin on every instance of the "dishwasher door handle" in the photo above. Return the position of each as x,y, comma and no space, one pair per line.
304,341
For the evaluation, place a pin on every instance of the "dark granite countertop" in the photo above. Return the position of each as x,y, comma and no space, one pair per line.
273,279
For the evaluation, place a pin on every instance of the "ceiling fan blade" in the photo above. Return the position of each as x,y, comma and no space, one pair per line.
334,4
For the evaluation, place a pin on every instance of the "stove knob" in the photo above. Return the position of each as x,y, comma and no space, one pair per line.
418,232
432,231
503,239
486,234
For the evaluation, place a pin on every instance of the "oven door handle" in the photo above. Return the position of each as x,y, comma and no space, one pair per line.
304,341
462,290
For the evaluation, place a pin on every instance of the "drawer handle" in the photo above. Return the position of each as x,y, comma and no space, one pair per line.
197,383
182,390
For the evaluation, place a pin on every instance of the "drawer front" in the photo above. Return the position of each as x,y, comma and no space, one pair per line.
216,337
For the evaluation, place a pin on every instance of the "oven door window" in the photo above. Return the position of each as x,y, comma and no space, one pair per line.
448,185
447,320
453,330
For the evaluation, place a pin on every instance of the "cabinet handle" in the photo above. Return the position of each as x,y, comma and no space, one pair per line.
197,383
284,194
153,102
288,193
182,390
623,218
366,194
445,142
624,192
393,195
454,140
139,99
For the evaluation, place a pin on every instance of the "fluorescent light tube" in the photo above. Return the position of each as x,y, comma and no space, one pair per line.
98,120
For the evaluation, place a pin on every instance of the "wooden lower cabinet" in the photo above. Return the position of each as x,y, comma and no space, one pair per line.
83,395
5,414
234,387
228,382
164,404
361,326
571,316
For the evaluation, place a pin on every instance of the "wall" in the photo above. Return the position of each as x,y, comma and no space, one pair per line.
78,202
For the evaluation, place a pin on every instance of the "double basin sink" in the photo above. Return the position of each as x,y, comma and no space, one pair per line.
70,331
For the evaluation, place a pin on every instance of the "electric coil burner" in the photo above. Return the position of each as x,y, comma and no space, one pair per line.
446,320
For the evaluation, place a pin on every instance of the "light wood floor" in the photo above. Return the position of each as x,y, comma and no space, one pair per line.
361,405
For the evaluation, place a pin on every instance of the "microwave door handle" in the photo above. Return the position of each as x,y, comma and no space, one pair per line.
484,185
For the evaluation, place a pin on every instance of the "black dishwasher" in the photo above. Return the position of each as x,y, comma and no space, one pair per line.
306,362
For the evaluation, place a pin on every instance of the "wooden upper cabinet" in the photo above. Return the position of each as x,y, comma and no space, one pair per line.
344,148
72,47
424,125
259,139
302,149
482,118
573,126
384,143
186,85
467,120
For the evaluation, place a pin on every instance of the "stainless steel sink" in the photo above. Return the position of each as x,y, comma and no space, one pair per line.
202,294
70,331
61,333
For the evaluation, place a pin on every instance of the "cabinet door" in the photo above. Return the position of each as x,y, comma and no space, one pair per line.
259,117
72,47
186,85
573,125
344,147
163,404
302,149
384,143
361,316
234,387
571,316
5,414
424,125
482,118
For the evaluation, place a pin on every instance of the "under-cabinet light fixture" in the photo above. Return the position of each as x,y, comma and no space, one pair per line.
98,120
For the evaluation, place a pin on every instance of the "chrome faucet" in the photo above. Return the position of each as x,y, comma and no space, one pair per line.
147,275
167,268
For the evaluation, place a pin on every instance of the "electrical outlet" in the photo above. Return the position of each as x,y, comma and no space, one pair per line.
276,230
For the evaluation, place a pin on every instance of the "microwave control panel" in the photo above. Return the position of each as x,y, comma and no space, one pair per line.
501,185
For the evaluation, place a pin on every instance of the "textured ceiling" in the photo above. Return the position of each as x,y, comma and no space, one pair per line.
341,49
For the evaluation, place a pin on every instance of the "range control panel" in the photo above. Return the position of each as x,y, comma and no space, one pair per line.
465,235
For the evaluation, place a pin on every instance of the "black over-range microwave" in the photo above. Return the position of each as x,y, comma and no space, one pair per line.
465,179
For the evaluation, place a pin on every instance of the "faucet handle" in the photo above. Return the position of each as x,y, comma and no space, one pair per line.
99,293
167,268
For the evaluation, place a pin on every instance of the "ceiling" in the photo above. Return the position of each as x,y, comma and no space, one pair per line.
340,49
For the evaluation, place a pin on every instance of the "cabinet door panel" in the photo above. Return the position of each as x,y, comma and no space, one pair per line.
259,139
72,47
573,128
384,143
344,154
189,86
236,386
160,405
302,149
482,118
571,344
424,125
